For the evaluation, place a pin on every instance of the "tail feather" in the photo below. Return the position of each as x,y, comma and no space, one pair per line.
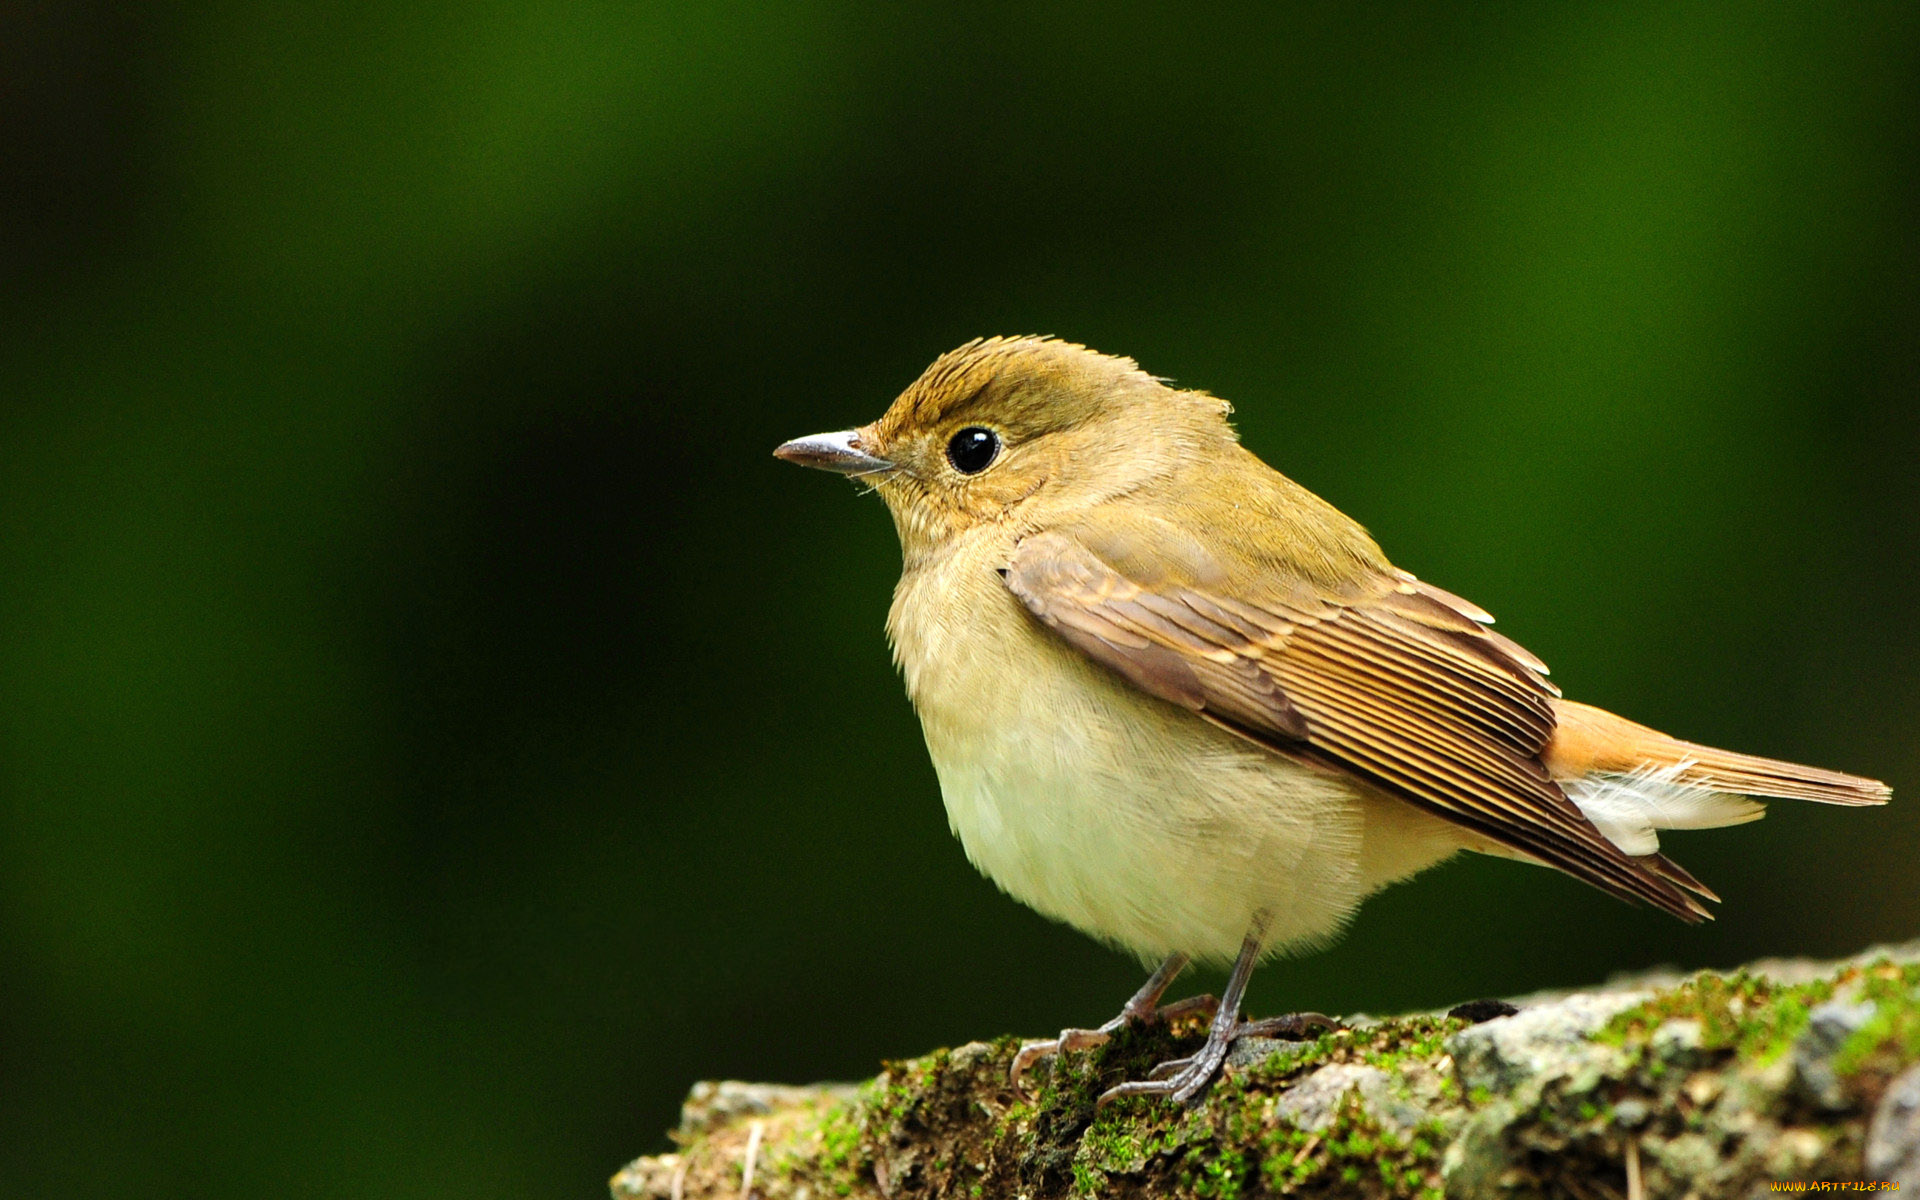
1591,741
1632,782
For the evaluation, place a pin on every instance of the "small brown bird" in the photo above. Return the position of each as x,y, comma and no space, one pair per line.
1181,703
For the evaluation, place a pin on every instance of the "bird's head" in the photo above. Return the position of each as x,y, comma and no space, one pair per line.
1017,431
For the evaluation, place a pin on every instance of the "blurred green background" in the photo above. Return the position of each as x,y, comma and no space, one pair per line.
433,732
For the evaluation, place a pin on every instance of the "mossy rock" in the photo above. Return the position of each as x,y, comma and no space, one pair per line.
1711,1085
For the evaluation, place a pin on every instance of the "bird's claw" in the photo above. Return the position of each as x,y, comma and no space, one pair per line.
1087,1039
1069,1039
1172,1066
1193,1006
1184,1079
1293,1026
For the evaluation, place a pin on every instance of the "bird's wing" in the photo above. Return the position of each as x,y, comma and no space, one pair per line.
1385,677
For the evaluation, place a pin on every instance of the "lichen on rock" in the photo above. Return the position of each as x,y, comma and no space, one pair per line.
1708,1085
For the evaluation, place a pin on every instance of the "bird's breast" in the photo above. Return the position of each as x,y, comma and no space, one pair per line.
1123,815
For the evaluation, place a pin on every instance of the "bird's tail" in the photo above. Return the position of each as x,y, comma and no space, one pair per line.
1590,743
1632,782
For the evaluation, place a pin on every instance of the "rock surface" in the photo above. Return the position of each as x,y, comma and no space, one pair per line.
1700,1086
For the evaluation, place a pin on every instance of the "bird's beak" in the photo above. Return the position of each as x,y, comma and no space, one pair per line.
839,452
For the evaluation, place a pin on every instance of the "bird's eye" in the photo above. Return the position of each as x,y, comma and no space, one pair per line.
973,450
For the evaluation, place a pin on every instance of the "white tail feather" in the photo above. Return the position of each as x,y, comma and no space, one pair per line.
1629,808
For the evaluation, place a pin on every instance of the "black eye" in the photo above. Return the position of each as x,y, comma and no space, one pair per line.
973,450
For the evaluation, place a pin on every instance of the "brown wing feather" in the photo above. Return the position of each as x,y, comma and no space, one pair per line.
1394,681
1198,656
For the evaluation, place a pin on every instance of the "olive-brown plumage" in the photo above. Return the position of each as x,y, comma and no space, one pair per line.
1179,701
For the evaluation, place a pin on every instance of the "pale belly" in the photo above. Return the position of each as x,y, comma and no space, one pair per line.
1134,820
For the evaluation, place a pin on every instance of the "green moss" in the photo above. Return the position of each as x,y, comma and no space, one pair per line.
950,1125
1757,1019
944,1125
839,1135
1219,1175
1751,1015
1387,1045
1353,1154
1232,1145
824,1152
1891,1038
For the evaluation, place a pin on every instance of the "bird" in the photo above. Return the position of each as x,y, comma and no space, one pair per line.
1182,704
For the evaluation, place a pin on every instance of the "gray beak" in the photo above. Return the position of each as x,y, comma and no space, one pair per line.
839,452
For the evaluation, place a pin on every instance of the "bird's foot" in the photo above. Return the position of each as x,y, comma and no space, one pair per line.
1086,1039
1184,1079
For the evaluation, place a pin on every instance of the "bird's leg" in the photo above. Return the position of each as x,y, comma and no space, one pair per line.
1185,1078
1144,1006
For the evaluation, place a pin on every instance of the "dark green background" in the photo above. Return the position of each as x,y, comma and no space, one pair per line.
433,732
